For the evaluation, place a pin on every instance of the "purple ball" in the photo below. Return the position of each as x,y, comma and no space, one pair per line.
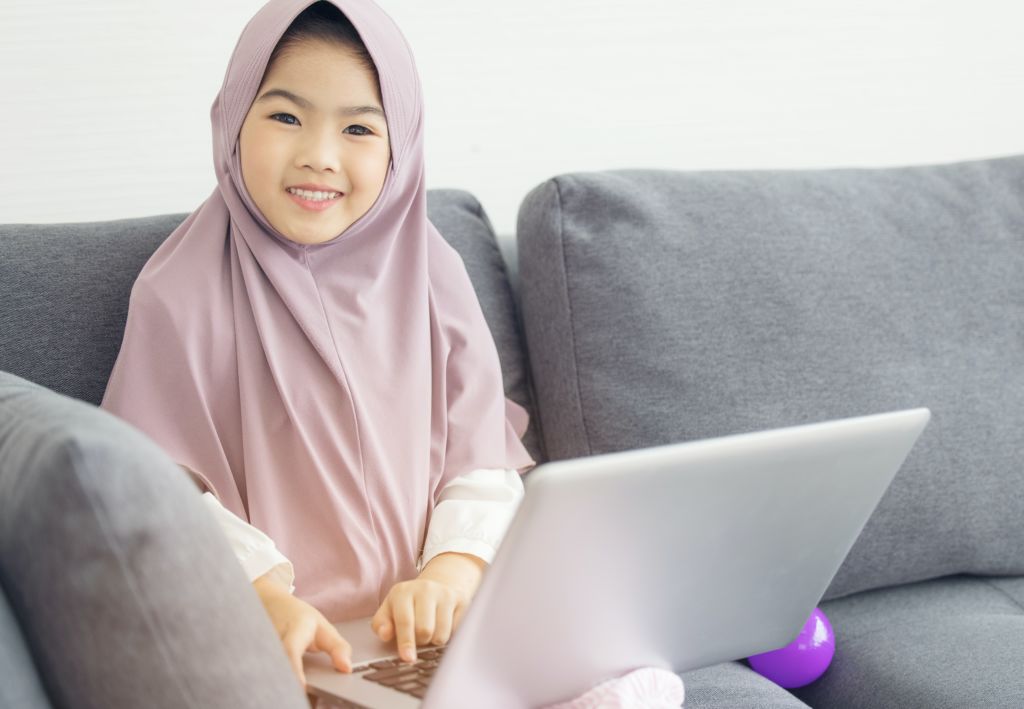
803,660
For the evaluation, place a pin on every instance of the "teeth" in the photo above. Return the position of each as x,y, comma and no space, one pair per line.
315,196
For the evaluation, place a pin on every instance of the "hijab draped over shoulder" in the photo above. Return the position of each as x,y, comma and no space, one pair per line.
325,393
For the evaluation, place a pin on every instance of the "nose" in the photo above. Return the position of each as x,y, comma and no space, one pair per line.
320,150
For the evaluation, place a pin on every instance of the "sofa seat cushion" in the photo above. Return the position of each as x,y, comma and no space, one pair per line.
730,685
662,306
951,642
125,587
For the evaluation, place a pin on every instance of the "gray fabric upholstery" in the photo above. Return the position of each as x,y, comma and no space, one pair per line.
732,685
20,687
126,589
944,643
64,292
662,306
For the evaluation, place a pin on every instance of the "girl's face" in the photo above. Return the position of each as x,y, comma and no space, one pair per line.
331,133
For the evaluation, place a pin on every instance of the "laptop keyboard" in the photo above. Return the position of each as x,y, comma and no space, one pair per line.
411,678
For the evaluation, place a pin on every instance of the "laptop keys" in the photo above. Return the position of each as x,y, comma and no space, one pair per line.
409,678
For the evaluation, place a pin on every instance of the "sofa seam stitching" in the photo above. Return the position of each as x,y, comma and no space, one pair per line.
572,323
1013,600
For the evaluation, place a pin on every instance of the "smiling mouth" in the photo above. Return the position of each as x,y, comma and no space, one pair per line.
315,205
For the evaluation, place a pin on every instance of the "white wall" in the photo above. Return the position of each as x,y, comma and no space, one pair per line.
105,105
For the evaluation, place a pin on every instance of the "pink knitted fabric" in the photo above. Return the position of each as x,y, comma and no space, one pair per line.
645,688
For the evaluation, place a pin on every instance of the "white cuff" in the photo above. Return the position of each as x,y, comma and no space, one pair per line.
476,547
472,514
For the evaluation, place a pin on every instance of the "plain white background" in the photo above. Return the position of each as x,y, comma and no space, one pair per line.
105,105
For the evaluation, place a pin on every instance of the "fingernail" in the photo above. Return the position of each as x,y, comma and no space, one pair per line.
409,654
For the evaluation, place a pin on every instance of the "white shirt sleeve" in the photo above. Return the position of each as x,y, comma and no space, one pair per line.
254,549
471,517
473,514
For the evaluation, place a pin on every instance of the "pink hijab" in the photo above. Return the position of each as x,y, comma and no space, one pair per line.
326,393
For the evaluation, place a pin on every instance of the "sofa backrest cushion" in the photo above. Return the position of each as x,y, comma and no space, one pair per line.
124,585
460,218
64,292
663,306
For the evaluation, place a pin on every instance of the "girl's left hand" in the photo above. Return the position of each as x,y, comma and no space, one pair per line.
427,609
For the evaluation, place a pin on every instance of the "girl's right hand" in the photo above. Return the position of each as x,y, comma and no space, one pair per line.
301,626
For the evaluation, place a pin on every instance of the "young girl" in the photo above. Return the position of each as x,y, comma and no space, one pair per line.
309,346
311,350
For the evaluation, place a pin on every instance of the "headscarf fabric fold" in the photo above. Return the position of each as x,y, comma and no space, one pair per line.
327,392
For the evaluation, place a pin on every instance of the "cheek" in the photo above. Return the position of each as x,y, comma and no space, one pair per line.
374,165
260,165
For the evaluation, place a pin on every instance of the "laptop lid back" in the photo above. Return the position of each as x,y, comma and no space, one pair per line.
678,556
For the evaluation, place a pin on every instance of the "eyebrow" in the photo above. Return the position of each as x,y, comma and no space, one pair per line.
343,111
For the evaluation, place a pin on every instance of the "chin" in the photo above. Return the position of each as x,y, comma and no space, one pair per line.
318,238
303,235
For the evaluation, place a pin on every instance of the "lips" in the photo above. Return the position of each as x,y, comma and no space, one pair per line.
312,205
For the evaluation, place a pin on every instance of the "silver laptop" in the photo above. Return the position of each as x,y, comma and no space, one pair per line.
678,556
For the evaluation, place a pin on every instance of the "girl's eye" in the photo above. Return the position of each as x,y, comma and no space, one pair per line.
364,129
284,114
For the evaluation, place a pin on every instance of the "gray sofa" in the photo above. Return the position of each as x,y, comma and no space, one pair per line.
632,308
